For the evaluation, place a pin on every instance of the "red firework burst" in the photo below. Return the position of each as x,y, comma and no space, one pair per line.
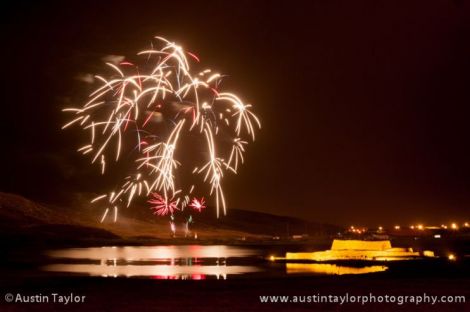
161,205
197,204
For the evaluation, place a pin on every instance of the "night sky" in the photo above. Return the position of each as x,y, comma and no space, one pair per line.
364,104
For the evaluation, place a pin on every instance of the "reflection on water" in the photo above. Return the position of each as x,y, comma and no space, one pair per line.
160,271
331,269
181,262
152,253
162,262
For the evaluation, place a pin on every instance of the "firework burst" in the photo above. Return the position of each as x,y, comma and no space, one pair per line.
143,109
162,206
198,204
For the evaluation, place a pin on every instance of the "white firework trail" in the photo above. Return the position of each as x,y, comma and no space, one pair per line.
142,111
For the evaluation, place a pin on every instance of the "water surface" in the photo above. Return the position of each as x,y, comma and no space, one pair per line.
184,262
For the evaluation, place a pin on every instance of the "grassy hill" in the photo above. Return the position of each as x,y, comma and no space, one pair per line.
24,221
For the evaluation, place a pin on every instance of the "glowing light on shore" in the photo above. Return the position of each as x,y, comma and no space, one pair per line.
141,110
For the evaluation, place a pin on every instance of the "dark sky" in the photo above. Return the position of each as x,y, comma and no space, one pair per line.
364,104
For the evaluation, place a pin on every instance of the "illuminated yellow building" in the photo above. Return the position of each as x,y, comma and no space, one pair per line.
359,250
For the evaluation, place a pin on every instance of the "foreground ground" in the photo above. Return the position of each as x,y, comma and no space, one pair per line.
233,295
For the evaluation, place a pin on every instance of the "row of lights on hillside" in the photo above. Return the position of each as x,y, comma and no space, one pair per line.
453,226
357,230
